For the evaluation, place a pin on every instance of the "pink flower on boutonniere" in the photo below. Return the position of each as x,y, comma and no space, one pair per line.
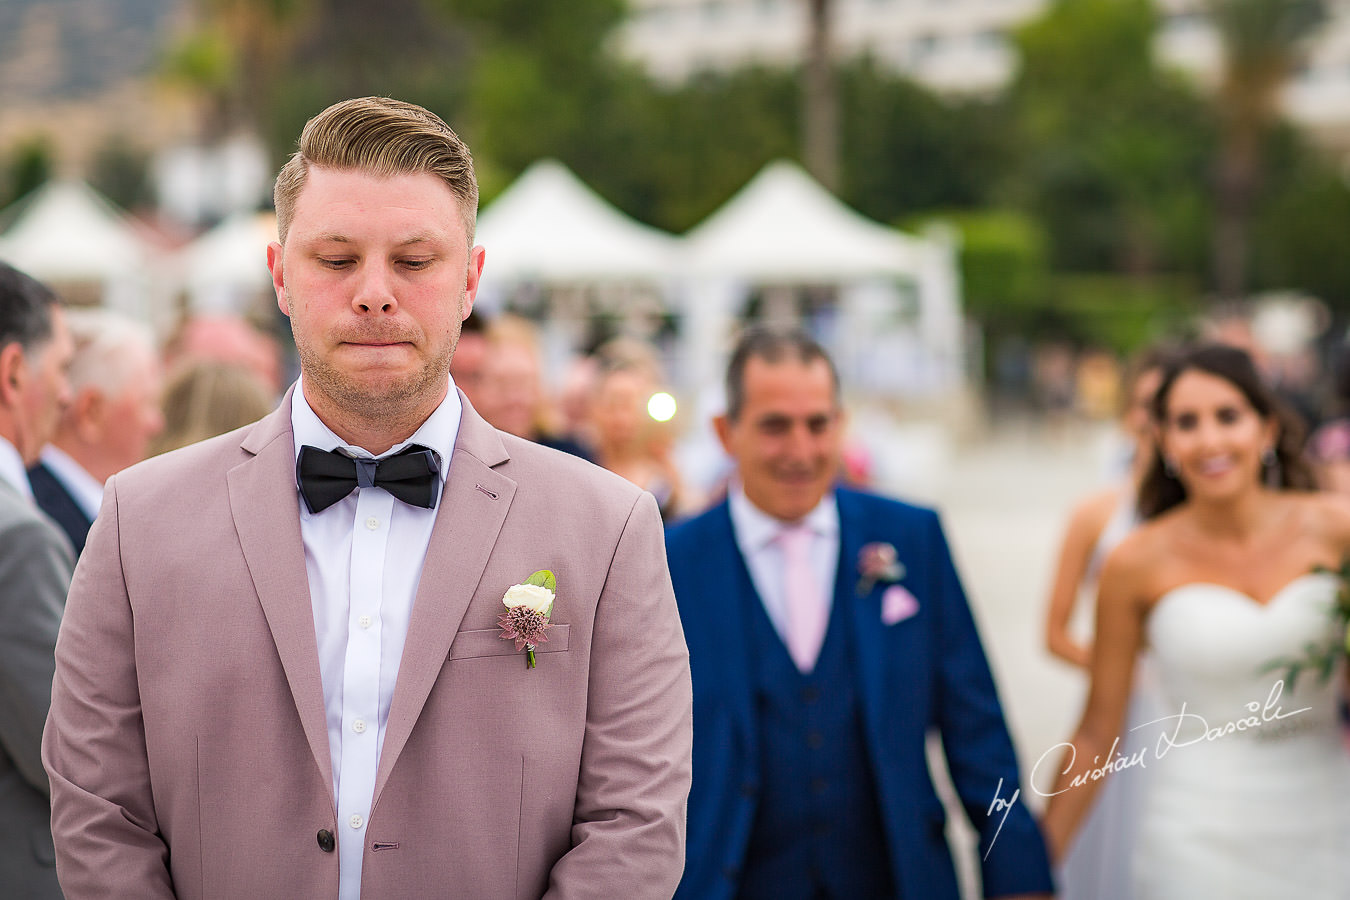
877,562
528,607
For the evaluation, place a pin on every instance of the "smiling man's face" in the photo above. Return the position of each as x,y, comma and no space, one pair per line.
788,436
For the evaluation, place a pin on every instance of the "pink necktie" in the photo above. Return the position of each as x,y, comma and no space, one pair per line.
807,615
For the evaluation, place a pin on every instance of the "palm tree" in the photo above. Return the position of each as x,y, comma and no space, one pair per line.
820,113
1263,42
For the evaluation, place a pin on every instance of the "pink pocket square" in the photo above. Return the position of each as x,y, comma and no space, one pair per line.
897,604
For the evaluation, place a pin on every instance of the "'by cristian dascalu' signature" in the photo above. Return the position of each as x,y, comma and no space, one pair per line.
1198,730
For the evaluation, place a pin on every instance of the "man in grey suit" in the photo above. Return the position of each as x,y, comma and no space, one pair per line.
35,570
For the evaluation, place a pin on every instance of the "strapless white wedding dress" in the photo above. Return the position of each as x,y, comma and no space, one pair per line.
1248,780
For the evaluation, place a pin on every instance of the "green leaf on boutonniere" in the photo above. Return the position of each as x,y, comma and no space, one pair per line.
544,578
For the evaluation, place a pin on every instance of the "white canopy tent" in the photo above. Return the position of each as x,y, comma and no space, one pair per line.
550,238
550,228
225,270
67,234
897,326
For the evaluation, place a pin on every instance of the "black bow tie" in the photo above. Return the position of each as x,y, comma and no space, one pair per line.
326,476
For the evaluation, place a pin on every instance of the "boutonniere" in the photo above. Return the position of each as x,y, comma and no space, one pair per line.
878,562
528,607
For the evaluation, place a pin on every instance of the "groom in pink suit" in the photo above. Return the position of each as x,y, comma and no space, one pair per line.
281,671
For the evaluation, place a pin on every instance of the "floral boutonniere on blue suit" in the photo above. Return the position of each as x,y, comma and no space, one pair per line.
878,563
528,607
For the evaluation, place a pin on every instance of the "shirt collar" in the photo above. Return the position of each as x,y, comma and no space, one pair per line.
86,490
756,529
13,471
438,432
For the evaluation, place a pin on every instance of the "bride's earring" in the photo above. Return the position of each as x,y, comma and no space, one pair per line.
1270,464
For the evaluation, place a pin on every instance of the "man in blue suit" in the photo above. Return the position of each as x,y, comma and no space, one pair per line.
828,637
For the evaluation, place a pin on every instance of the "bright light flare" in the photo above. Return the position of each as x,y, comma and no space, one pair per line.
661,407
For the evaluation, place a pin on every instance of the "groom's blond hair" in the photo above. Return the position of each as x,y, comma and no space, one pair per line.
382,137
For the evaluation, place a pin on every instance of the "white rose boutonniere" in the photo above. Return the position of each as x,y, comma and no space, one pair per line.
528,607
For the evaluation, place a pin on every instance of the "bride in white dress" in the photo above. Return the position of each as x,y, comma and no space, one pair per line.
1246,775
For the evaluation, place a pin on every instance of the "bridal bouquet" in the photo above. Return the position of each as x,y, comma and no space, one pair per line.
1321,658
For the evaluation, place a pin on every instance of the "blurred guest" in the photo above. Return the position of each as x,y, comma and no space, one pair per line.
628,440
35,569
226,339
1098,865
115,383
829,639
1329,446
208,398
576,397
466,366
1102,519
512,391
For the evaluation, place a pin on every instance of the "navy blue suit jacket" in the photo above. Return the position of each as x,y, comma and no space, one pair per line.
58,503
926,673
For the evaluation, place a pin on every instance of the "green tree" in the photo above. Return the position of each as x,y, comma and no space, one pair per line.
820,99
906,151
1299,228
1263,42
1112,150
28,168
120,173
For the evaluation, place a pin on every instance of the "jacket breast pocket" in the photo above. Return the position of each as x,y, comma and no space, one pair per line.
489,642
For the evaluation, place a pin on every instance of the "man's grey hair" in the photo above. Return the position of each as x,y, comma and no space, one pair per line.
25,309
772,344
108,347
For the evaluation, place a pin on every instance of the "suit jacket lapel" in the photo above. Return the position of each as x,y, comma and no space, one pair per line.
266,509
727,627
470,514
864,612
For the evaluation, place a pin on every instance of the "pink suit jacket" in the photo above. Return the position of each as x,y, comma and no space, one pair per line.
187,745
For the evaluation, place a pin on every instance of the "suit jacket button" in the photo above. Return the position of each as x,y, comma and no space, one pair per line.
326,842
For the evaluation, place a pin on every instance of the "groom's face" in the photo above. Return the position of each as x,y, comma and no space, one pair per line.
376,276
787,437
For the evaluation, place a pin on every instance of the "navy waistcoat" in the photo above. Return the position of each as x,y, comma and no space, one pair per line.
817,830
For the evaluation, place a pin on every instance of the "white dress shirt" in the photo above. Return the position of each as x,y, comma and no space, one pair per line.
13,471
757,537
364,558
85,488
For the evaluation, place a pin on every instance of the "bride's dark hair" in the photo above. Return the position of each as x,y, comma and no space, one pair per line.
1161,490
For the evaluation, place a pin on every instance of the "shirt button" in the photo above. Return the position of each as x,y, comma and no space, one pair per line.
356,821
359,726
373,523
364,621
